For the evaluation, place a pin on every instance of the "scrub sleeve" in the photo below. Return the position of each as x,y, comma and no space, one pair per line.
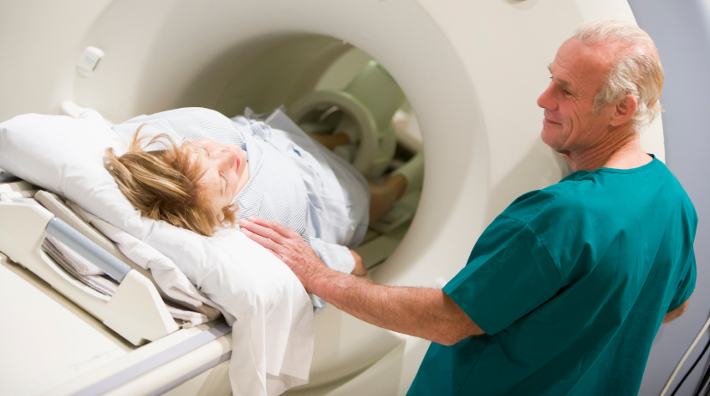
687,282
509,274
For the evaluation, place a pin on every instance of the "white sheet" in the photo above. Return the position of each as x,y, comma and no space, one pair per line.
273,331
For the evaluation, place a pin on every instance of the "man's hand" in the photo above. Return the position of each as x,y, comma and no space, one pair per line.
425,313
288,246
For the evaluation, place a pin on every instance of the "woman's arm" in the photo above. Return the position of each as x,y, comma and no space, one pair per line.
336,257
360,269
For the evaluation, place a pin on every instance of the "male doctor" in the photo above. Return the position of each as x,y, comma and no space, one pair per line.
565,290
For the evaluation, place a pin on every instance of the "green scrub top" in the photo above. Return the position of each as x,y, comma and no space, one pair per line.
570,285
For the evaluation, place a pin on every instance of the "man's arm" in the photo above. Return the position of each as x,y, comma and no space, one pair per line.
674,314
425,313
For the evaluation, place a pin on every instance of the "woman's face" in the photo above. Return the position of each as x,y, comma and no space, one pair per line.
226,169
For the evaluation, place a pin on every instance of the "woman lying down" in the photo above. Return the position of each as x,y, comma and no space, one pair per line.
203,171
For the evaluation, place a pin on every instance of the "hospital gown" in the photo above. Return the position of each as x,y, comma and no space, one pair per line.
293,180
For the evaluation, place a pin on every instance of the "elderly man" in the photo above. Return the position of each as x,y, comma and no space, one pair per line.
564,291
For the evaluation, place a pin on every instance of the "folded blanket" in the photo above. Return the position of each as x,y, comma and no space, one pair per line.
92,276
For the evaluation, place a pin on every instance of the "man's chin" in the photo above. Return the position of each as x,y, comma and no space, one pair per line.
548,138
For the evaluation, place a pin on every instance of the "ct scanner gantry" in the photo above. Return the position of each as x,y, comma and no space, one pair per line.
471,71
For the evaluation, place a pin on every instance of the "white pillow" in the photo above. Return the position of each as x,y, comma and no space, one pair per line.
65,155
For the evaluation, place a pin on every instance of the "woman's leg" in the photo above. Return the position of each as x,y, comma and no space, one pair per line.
384,195
405,179
331,141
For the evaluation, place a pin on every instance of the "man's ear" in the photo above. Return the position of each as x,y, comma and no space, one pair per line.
624,110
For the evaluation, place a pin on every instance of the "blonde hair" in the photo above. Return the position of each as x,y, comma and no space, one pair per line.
167,184
637,69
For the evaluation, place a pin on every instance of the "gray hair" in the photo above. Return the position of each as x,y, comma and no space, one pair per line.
637,70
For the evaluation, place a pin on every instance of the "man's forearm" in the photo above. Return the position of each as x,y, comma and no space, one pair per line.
425,313
421,312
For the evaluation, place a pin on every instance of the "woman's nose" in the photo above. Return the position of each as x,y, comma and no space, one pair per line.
225,158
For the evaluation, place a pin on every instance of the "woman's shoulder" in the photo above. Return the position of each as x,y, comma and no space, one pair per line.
186,123
191,113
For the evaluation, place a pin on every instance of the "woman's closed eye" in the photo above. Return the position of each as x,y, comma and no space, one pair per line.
225,183
207,153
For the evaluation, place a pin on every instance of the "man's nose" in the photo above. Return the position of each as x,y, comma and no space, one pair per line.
546,99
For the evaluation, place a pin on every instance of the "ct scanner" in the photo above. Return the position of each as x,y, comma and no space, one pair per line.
471,71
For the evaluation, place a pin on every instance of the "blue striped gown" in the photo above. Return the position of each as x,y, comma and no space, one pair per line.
293,180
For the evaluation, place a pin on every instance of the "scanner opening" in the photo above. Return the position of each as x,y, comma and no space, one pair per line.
311,75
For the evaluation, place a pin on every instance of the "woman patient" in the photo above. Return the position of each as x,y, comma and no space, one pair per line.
202,171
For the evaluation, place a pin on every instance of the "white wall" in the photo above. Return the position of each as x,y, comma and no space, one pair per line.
681,30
